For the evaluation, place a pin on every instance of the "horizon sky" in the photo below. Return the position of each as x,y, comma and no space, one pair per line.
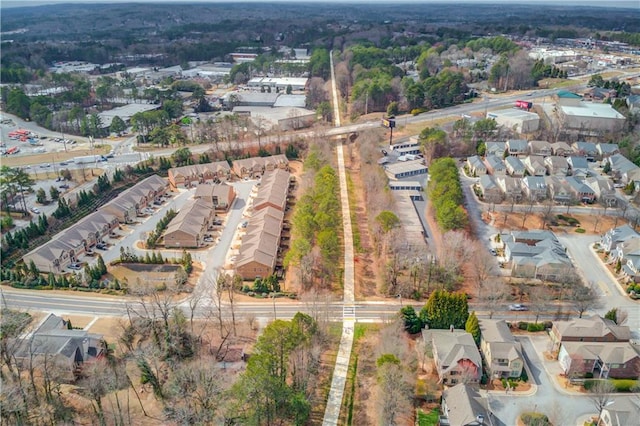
592,3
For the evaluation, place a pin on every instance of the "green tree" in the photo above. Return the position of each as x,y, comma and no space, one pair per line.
181,156
41,196
387,220
117,125
472,326
444,309
393,109
18,103
412,323
54,193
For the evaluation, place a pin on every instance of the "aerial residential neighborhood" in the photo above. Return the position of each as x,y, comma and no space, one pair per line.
252,213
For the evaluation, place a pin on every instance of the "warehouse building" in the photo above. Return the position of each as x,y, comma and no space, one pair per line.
519,120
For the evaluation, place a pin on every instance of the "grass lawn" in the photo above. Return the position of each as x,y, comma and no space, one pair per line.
428,419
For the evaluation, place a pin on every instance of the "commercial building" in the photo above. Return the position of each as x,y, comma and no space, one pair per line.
404,169
519,120
588,117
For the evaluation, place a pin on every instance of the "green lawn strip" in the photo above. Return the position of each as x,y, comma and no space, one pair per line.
352,208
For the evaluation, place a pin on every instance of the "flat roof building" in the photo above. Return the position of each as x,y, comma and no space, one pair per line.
521,121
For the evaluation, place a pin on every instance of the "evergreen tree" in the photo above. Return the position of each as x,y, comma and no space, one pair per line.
412,323
444,309
472,326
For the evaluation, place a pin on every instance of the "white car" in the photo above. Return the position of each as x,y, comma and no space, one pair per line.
518,307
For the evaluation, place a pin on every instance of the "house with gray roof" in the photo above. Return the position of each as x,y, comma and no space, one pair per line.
462,405
561,148
576,162
476,166
556,165
510,188
534,187
581,191
603,189
539,148
536,254
514,166
495,148
491,193
502,353
495,165
622,168
607,149
615,236
517,146
456,356
559,190
54,343
534,165
585,149
621,412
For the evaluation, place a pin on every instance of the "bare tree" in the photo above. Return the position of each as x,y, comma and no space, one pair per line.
601,396
540,298
584,298
493,295
483,267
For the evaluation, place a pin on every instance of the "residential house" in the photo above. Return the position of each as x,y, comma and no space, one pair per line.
491,192
534,187
601,360
495,148
456,356
556,165
592,329
254,167
462,405
633,102
517,147
561,148
628,252
599,94
585,149
191,225
615,236
536,254
514,166
189,176
495,165
510,188
476,166
502,353
581,191
535,165
260,249
620,412
53,256
59,346
219,195
560,190
622,168
604,190
578,166
542,148
607,149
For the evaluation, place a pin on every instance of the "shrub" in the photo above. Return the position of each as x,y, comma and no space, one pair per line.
580,230
588,375
548,325
535,327
535,419
523,325
624,385
523,376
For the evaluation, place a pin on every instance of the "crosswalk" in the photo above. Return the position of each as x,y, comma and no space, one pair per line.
349,312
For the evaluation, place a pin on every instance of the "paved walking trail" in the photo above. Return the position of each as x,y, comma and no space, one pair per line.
334,401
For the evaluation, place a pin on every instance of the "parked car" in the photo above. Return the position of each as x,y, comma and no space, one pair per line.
35,210
101,246
64,186
518,307
75,266
493,252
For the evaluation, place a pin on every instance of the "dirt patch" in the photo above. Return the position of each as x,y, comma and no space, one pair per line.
51,157
591,224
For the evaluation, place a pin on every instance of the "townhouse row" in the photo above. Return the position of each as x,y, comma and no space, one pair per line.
67,246
221,171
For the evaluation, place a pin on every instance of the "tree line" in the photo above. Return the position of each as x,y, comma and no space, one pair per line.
445,193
